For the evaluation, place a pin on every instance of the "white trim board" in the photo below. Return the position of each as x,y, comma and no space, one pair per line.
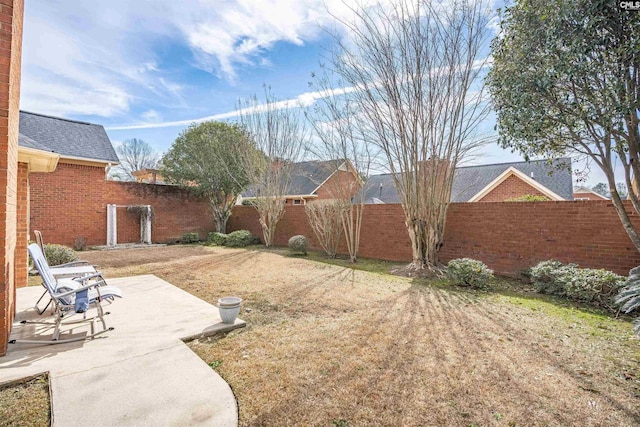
515,172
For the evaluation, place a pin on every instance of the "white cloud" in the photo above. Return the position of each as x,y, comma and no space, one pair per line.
106,53
151,116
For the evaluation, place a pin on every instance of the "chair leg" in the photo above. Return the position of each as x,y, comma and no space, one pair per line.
46,306
60,314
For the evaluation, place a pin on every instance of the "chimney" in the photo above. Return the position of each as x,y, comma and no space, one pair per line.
532,176
380,194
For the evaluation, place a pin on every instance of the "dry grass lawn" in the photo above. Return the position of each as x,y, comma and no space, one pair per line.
25,403
327,345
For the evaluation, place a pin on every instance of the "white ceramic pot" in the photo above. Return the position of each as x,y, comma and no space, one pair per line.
228,314
229,308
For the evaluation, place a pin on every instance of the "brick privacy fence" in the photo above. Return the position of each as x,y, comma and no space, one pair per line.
508,237
72,202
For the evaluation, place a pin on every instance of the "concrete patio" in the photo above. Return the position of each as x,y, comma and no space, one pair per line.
141,373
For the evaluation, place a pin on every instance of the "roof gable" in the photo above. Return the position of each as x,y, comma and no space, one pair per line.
306,177
554,175
512,171
69,138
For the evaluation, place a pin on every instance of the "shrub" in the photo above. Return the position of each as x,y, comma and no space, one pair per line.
59,254
594,286
529,198
190,238
468,272
218,239
239,239
546,276
299,243
325,218
80,243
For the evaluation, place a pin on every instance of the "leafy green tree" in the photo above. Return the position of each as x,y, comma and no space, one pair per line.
601,188
621,188
566,80
205,160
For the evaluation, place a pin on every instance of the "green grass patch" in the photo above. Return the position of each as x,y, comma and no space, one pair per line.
363,264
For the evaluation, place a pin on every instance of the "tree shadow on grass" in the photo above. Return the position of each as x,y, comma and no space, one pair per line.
426,356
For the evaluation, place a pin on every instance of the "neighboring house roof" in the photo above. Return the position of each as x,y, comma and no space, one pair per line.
585,190
469,181
70,138
306,177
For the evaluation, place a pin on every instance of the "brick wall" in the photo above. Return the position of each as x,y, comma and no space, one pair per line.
176,211
510,188
508,237
22,226
11,12
72,202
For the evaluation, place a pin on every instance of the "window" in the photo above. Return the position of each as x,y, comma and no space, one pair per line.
297,202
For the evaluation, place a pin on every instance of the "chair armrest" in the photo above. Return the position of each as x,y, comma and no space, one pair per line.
80,289
72,264
89,277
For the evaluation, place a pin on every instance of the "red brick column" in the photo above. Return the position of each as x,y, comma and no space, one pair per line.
11,12
22,227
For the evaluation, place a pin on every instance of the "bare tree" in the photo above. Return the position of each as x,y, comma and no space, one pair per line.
279,134
340,130
134,154
325,218
414,71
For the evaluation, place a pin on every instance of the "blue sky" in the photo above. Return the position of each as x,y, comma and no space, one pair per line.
138,66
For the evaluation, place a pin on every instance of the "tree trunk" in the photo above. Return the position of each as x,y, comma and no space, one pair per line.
623,215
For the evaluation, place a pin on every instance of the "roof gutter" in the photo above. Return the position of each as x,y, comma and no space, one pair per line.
88,160
38,160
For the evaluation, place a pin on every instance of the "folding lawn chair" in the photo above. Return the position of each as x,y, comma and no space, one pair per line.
70,269
71,297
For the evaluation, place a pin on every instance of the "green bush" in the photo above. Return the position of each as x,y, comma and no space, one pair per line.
593,286
190,238
239,239
546,277
59,254
299,243
218,239
529,198
469,272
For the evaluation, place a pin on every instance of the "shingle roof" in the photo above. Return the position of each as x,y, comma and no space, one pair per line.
305,177
66,137
470,180
25,141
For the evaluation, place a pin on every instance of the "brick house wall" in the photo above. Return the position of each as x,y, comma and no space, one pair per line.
339,184
510,188
11,14
508,237
68,203
586,196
